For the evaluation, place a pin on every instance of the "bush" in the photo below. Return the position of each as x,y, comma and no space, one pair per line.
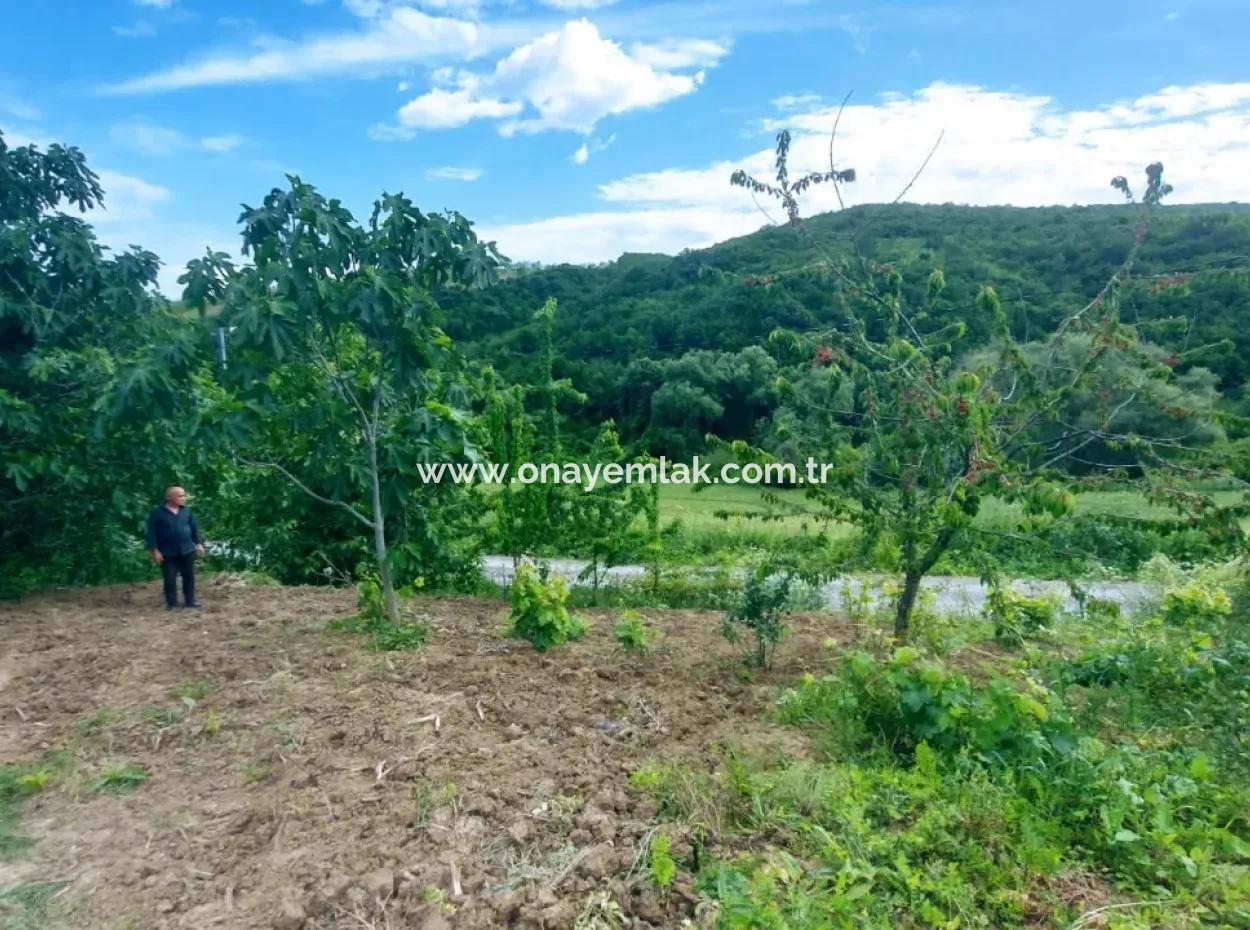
633,633
762,609
909,700
538,612
1196,604
1017,616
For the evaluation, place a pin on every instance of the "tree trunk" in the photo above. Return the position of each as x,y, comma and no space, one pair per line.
906,601
379,531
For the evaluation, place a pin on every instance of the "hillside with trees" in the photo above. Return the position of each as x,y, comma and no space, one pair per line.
669,347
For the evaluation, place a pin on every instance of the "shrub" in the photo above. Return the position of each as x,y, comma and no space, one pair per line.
538,613
633,633
1017,616
762,610
1196,604
909,700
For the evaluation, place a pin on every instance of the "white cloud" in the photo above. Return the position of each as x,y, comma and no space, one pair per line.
453,173
577,4
675,54
138,30
998,148
226,143
148,138
161,141
569,79
403,36
604,235
789,102
446,109
156,4
127,199
591,146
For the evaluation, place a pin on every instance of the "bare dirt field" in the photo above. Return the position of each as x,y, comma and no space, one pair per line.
296,779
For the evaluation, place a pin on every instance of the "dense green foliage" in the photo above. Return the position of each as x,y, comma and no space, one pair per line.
99,389
691,326
537,610
1113,760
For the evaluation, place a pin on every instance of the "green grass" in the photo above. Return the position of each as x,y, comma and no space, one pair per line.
119,779
697,511
17,783
31,906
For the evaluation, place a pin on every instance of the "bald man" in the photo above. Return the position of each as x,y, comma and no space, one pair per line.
174,542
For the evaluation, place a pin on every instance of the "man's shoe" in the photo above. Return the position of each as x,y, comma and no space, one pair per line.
171,606
195,604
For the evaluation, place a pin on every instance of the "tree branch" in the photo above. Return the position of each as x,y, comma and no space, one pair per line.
309,491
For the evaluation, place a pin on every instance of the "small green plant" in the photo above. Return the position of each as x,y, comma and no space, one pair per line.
34,782
119,779
436,896
633,633
538,612
371,618
663,867
161,717
102,719
254,773
194,691
292,740
399,637
762,609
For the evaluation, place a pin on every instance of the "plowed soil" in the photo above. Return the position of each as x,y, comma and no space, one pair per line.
296,779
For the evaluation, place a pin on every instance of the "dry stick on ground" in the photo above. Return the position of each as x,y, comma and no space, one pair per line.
1085,919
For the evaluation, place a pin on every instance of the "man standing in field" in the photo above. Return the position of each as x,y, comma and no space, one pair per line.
174,542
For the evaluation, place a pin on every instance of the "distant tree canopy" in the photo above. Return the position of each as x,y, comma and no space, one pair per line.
668,347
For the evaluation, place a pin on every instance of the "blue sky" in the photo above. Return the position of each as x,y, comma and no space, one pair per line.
578,129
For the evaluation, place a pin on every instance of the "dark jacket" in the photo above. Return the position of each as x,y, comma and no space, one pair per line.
173,534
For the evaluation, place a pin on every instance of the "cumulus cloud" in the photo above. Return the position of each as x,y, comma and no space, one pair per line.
998,148
567,79
162,141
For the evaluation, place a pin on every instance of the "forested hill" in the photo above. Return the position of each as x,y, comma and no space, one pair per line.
627,328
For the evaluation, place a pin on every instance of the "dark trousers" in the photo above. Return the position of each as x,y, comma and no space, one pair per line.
172,567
